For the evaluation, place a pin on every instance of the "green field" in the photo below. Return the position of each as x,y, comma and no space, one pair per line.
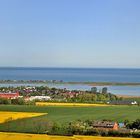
63,115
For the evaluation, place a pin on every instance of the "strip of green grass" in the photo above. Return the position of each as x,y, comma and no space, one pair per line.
63,115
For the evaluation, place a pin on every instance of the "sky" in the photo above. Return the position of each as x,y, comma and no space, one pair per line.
70,33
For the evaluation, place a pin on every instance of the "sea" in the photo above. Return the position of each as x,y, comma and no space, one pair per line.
76,75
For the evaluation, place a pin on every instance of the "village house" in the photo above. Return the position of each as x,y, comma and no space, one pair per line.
123,102
30,89
39,98
71,94
106,125
10,95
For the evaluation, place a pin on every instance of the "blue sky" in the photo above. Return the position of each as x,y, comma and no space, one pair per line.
70,33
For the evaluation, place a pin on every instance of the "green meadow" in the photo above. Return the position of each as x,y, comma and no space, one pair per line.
63,115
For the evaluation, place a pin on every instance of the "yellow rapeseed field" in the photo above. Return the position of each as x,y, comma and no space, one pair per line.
16,136
9,116
68,104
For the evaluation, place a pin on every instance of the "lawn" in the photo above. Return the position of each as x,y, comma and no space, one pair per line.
63,115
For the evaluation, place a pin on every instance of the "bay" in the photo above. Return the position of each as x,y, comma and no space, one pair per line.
76,75
71,74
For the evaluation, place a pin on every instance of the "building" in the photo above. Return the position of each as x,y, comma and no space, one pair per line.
106,125
38,98
9,95
123,102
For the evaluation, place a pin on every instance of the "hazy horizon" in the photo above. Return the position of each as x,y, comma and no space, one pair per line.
69,67
71,34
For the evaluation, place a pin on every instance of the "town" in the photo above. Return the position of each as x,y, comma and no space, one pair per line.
36,95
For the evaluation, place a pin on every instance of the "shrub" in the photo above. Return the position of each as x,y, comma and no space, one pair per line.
18,101
5,101
136,134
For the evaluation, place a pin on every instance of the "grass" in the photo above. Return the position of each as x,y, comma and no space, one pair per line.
56,113
62,115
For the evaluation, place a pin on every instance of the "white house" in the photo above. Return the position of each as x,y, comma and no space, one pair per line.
134,103
40,98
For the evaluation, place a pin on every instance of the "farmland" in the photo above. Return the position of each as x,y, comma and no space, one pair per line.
62,115
68,104
8,116
12,136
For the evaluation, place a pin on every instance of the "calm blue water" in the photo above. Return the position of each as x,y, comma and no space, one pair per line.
71,74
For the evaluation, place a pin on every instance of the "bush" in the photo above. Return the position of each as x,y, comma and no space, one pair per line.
136,134
118,134
133,125
18,101
58,130
29,102
5,101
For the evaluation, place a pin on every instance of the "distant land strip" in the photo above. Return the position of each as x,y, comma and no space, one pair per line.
63,82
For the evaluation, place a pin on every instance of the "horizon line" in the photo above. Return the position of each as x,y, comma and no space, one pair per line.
69,67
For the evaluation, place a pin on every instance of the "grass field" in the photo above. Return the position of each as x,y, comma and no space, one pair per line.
15,136
63,115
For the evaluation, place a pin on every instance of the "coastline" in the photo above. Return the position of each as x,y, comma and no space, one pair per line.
73,83
79,86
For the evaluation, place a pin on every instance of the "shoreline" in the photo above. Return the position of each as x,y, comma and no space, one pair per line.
72,83
19,83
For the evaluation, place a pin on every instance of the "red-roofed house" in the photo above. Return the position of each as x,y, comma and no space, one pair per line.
9,95
105,125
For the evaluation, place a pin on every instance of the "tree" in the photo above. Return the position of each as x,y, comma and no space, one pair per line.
18,101
132,125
